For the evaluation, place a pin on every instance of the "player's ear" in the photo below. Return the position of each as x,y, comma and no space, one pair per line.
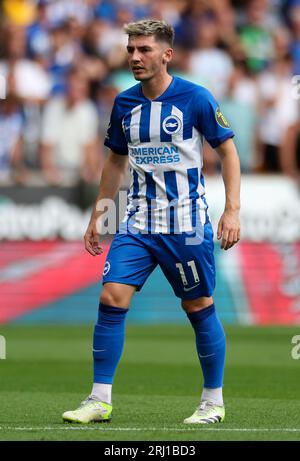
167,56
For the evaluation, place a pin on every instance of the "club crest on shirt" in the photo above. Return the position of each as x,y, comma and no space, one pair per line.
106,268
221,119
171,124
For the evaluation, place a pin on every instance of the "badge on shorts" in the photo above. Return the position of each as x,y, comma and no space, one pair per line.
221,119
106,268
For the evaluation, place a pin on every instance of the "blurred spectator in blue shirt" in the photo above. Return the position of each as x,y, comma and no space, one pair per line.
38,39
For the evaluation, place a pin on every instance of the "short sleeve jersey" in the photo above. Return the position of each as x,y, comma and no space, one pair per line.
164,141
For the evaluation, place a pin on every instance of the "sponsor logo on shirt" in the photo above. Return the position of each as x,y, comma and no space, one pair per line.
155,155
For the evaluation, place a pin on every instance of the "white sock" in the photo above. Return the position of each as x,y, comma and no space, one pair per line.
102,392
213,395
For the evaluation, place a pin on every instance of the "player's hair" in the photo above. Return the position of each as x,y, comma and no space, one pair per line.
162,31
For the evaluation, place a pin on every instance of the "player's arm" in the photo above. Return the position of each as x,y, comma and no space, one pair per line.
229,224
112,178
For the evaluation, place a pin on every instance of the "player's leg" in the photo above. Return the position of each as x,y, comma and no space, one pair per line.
109,336
108,343
190,268
127,267
211,348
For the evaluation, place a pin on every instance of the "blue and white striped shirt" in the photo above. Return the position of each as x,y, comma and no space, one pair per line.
164,140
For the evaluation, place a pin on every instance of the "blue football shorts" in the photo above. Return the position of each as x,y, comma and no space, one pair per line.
189,268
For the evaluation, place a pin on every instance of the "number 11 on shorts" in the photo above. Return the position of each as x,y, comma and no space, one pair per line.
193,267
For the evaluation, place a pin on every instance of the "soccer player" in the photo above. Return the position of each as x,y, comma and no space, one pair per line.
159,126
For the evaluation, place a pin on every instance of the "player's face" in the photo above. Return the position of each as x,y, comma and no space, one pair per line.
147,57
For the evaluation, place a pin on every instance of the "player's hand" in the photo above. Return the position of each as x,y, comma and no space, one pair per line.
92,239
229,229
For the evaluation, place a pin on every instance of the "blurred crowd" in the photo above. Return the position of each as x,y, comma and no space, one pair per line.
64,61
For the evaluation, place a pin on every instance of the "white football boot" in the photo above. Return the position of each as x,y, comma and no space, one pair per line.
207,413
89,411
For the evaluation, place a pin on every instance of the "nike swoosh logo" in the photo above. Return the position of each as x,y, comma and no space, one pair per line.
99,350
209,355
191,288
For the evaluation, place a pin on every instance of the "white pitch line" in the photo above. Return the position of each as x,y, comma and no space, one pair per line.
142,429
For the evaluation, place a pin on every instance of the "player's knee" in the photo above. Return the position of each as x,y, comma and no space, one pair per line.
194,305
111,296
111,299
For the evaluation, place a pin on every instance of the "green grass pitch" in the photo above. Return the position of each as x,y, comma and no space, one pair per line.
49,370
